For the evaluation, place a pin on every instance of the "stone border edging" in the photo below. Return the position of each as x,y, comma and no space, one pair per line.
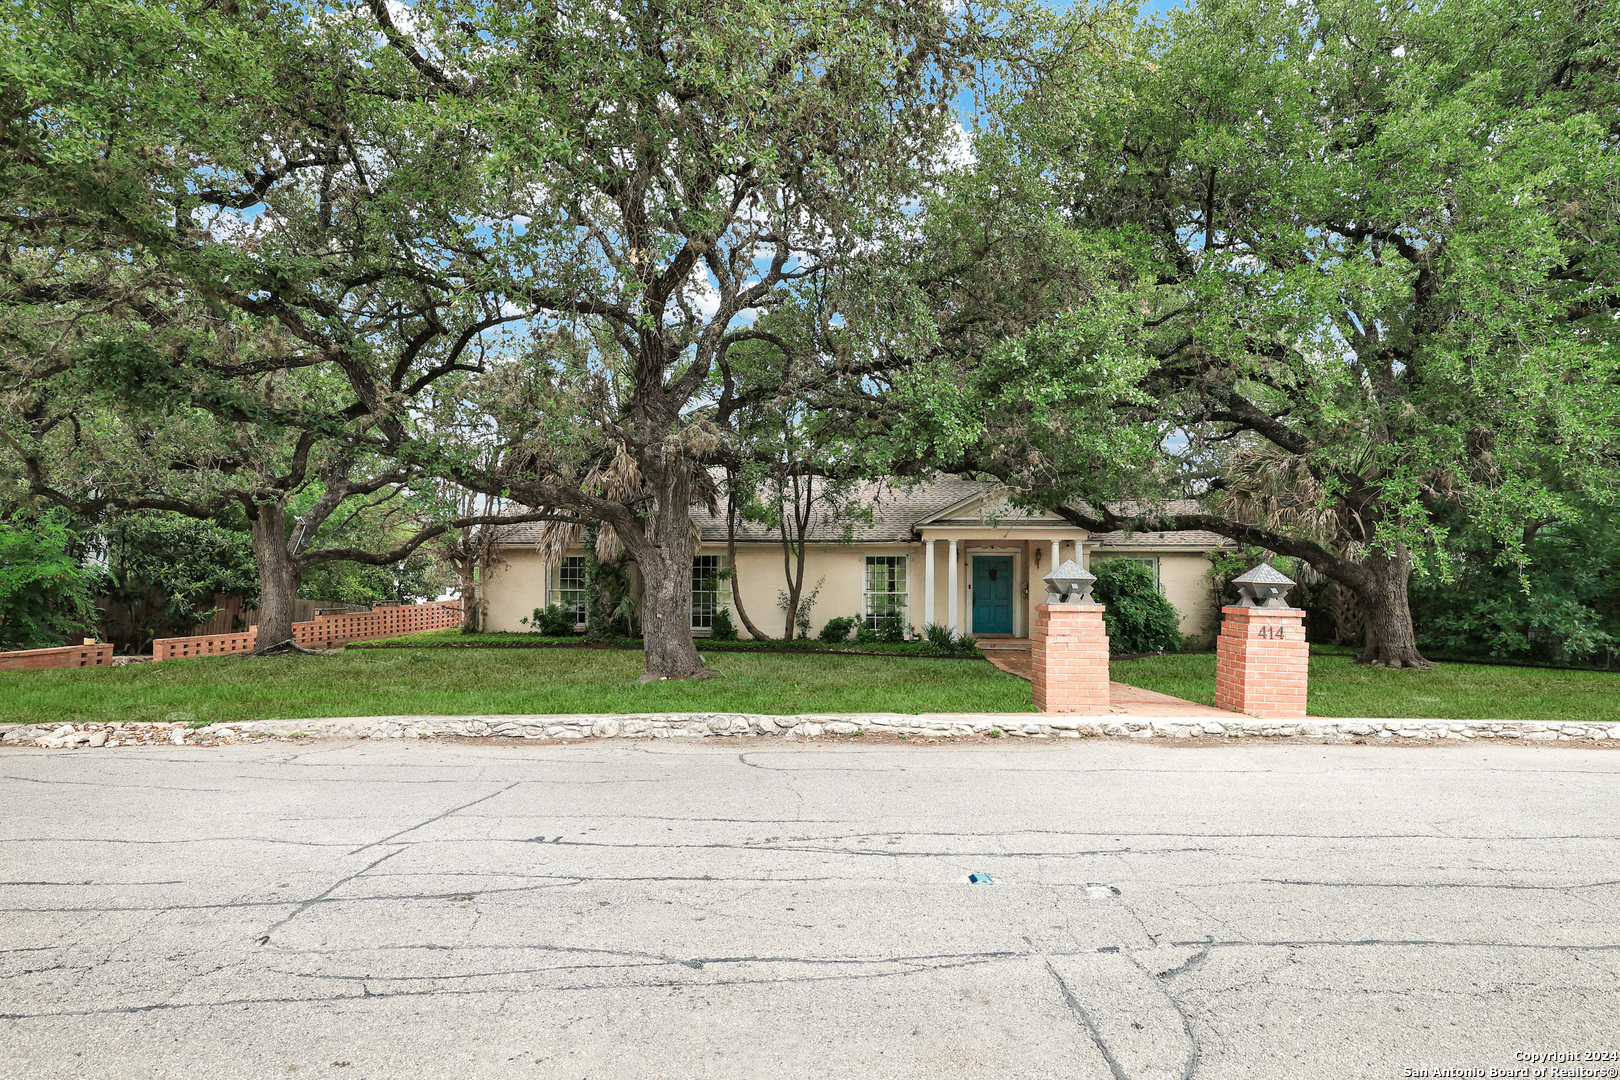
937,725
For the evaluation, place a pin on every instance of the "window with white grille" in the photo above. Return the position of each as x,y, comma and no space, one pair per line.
885,590
571,588
705,591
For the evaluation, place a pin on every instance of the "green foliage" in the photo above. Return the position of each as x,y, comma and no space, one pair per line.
1377,244
46,589
554,620
1562,605
416,579
837,629
136,372
164,570
807,603
610,607
883,628
1139,618
943,638
723,630
400,211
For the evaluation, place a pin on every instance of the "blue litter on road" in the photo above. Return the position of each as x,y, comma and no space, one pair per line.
980,879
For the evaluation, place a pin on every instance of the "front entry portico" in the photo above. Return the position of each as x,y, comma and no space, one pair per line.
992,594
994,554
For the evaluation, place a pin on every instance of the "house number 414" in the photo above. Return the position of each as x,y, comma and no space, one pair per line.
1273,632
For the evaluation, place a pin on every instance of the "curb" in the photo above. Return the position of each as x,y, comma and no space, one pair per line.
708,725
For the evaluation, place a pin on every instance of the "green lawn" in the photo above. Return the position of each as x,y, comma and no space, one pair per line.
459,681
1341,687
445,681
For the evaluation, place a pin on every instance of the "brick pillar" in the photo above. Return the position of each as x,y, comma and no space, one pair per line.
1261,661
1069,659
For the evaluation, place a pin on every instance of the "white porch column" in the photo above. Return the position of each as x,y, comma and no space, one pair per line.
1056,562
953,605
928,582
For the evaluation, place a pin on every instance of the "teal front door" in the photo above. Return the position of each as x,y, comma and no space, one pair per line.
992,594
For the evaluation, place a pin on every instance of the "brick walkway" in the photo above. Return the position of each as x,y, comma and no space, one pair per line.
1012,656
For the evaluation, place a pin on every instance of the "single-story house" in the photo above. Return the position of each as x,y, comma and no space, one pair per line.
948,551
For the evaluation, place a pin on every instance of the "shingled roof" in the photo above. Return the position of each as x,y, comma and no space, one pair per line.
895,511
1193,538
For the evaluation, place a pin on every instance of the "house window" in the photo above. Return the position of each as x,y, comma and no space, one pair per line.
571,587
885,590
705,591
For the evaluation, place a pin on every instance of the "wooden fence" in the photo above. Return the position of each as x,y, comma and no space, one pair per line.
64,656
323,631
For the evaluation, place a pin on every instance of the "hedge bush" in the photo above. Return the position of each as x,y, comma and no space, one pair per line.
1139,618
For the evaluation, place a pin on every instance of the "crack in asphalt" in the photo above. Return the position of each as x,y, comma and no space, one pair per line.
312,901
1400,943
1186,1022
103,784
795,847
1435,885
437,817
1090,1025
366,993
696,963
1192,963
1379,838
97,884
177,840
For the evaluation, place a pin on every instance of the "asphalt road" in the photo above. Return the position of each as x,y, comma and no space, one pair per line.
759,909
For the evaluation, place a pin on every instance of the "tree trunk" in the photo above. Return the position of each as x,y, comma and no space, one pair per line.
793,557
793,583
1391,640
665,557
467,590
278,579
736,586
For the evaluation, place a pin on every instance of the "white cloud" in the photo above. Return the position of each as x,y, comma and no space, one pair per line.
958,150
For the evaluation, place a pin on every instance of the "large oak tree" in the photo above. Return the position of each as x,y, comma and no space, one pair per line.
1328,268
391,184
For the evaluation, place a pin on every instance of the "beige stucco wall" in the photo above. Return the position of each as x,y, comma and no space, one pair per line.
840,568
518,586
1186,584
515,588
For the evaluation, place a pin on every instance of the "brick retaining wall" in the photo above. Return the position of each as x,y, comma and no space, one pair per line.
63,656
323,632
